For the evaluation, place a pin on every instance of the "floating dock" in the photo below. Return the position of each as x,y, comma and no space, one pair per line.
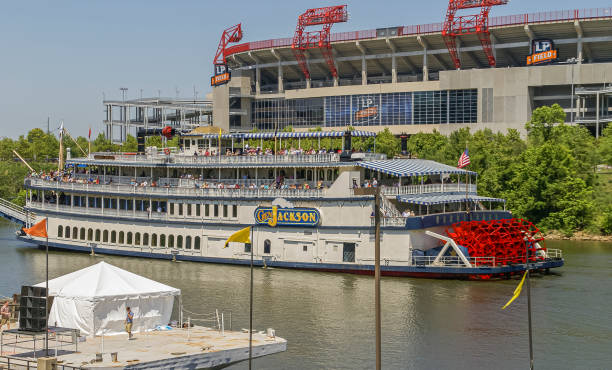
196,348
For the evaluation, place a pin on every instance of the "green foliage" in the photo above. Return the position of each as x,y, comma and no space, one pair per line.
543,119
387,143
605,146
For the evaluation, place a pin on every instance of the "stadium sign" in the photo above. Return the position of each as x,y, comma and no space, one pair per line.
222,75
542,51
367,110
274,216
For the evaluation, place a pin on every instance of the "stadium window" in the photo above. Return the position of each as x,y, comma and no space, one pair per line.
196,243
105,236
267,246
60,231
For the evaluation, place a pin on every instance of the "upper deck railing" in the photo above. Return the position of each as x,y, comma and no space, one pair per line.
223,159
508,20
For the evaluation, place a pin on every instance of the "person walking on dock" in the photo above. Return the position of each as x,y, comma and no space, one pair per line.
129,319
5,316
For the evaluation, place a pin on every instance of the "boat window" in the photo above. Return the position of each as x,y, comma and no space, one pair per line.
225,211
162,240
206,210
97,235
67,232
234,211
179,241
171,208
216,212
305,248
170,241
82,233
129,238
267,246
189,209
137,239
105,236
121,237
309,175
197,207
196,243
154,240
75,233
113,236
90,234
180,209
60,231
348,252
329,175
145,239
247,247
188,242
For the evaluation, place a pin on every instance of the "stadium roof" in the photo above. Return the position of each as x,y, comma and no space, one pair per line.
510,35
411,167
431,199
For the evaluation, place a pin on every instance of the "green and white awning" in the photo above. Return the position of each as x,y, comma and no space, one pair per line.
445,198
412,167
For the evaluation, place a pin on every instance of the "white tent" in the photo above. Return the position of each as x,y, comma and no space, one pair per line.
94,300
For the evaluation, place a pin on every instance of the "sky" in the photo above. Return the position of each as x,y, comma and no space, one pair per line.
60,59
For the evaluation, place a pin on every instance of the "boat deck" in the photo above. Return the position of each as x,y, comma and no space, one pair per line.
198,347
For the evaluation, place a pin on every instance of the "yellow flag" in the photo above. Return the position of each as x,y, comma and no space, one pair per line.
517,291
242,236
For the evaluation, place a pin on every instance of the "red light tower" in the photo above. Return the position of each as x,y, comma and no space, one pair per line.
317,39
477,24
230,35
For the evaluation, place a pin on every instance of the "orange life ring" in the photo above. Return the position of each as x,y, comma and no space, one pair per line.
167,151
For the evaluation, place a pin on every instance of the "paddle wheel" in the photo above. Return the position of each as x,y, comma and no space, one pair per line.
505,240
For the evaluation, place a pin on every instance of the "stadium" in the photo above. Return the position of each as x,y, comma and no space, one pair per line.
469,71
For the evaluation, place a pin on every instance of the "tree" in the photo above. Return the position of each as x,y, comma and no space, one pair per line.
605,146
543,119
427,146
387,143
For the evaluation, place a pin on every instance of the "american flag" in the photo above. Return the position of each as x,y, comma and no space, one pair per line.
464,160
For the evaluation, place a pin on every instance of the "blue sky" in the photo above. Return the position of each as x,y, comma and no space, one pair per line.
59,57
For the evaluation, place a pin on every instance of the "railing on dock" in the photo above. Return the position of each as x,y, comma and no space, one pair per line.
15,213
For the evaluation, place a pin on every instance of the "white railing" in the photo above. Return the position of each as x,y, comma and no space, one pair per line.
148,191
184,158
391,221
427,188
16,212
554,253
452,261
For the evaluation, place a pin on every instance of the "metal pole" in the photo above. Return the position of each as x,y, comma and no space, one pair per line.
251,308
46,289
572,102
529,306
377,276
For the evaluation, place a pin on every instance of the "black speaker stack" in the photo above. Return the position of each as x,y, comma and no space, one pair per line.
32,309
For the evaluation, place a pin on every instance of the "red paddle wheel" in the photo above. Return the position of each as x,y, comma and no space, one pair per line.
505,240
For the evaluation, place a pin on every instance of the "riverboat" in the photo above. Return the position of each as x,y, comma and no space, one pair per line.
183,203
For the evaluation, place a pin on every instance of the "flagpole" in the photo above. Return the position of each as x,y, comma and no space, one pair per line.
377,277
529,305
47,288
251,307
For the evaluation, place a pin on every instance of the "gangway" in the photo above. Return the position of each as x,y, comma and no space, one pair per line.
15,213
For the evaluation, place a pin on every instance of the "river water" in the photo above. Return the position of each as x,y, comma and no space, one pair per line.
328,318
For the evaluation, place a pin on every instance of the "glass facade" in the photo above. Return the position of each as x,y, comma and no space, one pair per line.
404,108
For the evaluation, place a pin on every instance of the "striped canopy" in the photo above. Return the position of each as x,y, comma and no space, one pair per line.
455,197
284,135
411,167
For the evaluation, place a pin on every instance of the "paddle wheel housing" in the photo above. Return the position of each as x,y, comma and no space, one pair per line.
476,24
303,40
505,240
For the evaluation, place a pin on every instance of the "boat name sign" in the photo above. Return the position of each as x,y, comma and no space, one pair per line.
274,216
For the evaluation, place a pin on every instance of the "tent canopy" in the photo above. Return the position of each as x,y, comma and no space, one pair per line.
412,167
94,300
105,280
